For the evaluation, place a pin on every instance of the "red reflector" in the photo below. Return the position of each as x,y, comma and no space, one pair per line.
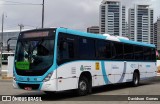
28,88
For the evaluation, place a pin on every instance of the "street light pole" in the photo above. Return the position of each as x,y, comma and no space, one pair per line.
21,26
2,43
43,14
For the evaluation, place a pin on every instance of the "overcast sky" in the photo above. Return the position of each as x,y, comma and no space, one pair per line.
75,14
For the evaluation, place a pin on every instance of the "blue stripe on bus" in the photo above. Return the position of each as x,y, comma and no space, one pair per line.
123,73
104,72
105,76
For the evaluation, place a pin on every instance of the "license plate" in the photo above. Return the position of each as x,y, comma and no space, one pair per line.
28,88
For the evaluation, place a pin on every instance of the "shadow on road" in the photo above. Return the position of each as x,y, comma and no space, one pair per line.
71,95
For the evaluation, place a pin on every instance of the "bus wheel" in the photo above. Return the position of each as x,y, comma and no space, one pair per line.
83,86
135,80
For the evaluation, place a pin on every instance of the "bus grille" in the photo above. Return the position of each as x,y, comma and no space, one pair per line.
33,86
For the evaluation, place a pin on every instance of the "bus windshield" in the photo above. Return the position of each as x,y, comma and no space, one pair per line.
34,56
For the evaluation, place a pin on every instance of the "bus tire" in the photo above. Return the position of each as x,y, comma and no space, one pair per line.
83,86
135,81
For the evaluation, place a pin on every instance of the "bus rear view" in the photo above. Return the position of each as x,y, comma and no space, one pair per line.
34,59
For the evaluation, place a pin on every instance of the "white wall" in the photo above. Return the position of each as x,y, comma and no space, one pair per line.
158,63
10,66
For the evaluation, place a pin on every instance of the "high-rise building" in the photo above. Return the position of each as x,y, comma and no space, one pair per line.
93,29
112,17
126,29
140,23
157,34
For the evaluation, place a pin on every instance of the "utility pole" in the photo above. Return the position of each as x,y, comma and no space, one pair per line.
21,26
2,43
43,14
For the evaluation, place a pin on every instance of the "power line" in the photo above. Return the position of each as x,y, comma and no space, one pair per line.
20,4
30,26
17,3
11,1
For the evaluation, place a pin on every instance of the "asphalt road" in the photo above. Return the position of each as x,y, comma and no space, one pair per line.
151,87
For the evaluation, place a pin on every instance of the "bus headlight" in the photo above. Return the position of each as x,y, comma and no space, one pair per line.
47,78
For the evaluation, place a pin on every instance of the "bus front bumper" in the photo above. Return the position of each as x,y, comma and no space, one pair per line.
41,86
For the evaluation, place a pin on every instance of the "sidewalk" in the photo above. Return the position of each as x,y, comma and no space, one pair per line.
3,76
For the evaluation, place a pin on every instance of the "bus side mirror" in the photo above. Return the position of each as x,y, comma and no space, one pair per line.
8,47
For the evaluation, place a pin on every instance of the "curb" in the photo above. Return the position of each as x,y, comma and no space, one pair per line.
5,79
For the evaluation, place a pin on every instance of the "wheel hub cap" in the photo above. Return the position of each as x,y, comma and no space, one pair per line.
83,85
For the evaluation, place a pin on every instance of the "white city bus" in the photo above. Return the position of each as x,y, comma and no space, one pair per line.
58,59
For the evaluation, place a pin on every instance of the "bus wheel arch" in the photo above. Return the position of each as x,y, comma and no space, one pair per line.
136,78
85,83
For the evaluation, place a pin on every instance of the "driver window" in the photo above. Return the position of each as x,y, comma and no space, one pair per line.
64,50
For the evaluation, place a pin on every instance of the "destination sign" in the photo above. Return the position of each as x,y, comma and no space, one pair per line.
36,34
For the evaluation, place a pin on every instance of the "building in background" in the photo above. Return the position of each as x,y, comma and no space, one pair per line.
157,33
140,23
93,29
126,29
112,18
9,34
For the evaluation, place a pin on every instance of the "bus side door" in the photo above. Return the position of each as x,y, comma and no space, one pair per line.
66,54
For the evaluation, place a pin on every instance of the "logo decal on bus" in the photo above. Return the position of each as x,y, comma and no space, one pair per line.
97,66
115,67
148,66
85,68
81,68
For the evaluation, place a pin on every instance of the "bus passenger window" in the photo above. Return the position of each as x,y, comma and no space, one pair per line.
65,51
147,53
153,54
118,50
103,50
138,52
86,48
